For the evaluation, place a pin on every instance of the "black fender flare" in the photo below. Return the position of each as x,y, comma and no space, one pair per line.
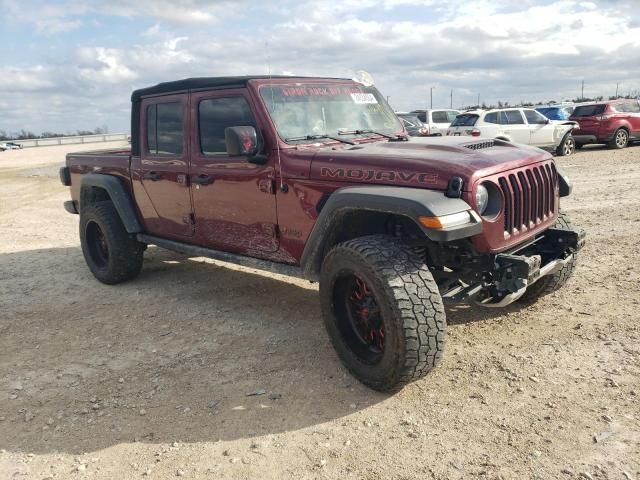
119,194
404,201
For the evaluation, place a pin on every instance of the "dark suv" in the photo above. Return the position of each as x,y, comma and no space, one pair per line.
615,123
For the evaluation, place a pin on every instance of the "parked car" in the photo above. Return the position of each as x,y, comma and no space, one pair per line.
10,146
301,176
616,123
413,125
556,112
436,121
517,125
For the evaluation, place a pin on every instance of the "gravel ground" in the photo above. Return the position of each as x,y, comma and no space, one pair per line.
204,370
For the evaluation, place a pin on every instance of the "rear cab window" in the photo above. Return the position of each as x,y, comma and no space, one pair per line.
164,127
465,120
589,110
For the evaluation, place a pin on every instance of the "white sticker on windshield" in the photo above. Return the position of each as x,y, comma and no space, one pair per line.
362,98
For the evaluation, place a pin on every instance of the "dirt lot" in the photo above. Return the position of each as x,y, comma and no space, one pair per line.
151,378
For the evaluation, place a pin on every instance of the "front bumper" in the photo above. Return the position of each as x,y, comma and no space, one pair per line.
507,275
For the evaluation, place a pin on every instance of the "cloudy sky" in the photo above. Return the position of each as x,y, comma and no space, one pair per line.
72,64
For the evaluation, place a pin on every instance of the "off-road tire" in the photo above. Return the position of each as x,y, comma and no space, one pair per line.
552,282
409,304
567,146
123,260
620,139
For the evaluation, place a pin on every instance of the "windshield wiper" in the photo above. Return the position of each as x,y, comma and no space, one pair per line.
319,137
394,138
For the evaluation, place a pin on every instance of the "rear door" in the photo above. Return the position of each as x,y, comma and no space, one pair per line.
234,200
516,128
163,166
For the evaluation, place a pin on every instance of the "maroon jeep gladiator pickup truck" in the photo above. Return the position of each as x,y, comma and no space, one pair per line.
316,178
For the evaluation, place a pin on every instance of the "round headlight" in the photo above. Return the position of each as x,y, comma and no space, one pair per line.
482,199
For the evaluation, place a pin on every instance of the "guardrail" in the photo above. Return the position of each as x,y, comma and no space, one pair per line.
46,142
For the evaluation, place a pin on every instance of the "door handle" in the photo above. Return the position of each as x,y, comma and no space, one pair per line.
153,176
202,179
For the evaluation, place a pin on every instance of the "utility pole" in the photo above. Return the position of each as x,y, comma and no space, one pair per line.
617,84
582,94
451,102
478,100
431,96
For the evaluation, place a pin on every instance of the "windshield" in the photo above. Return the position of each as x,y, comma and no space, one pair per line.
465,120
326,109
588,110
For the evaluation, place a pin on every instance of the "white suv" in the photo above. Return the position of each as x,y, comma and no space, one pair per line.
517,125
436,121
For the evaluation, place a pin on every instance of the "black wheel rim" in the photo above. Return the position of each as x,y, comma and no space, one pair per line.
359,318
97,244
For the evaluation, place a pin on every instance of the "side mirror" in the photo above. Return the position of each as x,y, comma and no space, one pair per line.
547,121
241,141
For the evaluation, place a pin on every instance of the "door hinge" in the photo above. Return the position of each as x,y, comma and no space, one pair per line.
189,219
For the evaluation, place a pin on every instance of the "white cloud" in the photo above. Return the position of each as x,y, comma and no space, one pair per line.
502,51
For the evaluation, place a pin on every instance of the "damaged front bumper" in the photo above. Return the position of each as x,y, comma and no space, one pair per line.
507,275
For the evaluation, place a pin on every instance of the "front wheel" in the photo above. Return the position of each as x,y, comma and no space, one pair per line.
567,146
382,310
112,254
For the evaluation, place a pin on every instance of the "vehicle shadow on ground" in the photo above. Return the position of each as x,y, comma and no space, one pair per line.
189,351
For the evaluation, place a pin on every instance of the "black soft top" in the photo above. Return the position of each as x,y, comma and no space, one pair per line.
201,83
191,84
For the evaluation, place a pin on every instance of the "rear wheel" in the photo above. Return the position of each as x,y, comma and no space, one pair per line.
620,139
112,254
567,146
382,310
552,282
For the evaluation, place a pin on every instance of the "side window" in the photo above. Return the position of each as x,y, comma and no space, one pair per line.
491,117
514,117
451,116
216,114
534,118
164,128
440,117
502,118
629,107
422,116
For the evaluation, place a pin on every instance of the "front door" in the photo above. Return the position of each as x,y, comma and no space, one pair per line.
233,199
542,130
163,168
633,107
516,127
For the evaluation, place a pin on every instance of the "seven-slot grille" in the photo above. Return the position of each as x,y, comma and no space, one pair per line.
529,196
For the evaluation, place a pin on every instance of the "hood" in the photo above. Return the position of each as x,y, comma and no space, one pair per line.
422,162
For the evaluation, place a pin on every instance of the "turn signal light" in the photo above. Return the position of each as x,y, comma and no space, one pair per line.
445,221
